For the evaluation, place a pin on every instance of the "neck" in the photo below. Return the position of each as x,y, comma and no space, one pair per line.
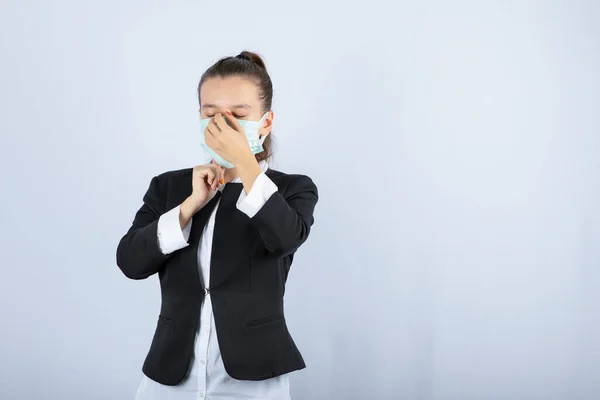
231,174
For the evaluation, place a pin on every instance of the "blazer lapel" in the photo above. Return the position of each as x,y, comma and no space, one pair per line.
199,220
228,236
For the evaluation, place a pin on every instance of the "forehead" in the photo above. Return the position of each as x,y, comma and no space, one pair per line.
224,92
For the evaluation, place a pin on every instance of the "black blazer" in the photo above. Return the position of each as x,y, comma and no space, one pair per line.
251,258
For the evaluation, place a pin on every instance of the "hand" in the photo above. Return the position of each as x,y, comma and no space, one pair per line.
229,141
205,181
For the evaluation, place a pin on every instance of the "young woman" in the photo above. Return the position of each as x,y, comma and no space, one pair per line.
222,238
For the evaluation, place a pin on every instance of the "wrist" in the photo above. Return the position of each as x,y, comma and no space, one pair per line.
248,171
245,159
247,163
188,208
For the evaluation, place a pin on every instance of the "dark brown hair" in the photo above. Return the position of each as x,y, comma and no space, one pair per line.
248,65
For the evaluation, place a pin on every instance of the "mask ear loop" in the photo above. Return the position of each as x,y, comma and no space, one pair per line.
262,121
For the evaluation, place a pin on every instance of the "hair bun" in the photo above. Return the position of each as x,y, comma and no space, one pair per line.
252,57
243,57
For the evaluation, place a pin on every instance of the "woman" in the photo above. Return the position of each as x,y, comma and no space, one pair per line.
222,238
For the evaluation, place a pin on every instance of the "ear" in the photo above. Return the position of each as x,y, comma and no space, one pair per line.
267,125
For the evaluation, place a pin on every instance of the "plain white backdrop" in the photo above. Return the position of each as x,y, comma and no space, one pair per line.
455,144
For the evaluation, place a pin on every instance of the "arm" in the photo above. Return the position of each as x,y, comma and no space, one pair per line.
139,254
174,229
154,236
283,221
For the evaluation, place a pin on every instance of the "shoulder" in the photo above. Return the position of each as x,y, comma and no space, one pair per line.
172,179
174,175
292,183
169,188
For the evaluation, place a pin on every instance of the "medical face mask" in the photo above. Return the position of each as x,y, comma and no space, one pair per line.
250,129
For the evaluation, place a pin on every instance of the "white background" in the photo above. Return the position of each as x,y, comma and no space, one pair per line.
455,253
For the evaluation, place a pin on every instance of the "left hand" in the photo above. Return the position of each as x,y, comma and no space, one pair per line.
229,141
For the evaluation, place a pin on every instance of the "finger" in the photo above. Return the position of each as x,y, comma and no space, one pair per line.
210,176
222,170
207,133
203,171
215,120
213,128
220,175
219,121
217,175
233,122
210,137
211,187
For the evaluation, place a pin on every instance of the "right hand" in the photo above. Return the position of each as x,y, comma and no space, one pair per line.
206,179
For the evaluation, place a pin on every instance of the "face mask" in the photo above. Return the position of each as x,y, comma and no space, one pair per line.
250,129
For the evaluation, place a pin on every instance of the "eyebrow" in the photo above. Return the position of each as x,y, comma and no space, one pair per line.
237,106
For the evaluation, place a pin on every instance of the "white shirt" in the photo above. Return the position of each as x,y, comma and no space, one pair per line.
207,378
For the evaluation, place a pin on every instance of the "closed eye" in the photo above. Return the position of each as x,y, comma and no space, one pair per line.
235,115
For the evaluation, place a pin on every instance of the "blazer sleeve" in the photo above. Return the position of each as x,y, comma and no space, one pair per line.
138,252
285,220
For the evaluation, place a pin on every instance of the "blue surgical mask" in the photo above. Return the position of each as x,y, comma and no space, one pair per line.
250,129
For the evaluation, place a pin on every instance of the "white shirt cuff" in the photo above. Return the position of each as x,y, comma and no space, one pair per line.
261,191
170,235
